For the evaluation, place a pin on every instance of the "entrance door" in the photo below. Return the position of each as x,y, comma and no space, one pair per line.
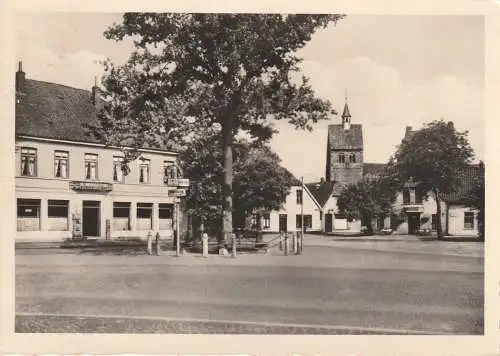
283,222
328,222
413,223
91,221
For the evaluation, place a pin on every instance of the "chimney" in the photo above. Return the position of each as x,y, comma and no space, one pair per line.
95,94
20,77
408,131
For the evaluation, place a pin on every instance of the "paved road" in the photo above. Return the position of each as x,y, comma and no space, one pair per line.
326,290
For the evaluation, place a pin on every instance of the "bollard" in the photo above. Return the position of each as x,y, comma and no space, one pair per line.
286,244
204,241
158,247
233,247
150,243
294,242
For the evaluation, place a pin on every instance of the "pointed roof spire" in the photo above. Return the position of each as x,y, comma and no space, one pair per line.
346,112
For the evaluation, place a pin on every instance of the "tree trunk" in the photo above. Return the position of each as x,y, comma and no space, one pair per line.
439,228
227,188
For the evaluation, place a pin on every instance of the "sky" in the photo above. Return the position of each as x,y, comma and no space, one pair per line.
397,71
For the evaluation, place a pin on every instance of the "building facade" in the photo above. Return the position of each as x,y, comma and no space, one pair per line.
70,186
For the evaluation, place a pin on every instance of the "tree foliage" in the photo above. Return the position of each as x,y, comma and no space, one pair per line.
368,199
433,156
476,199
233,70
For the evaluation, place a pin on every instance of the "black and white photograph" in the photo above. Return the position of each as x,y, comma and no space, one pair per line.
200,173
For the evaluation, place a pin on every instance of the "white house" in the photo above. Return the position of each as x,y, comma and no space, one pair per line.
289,218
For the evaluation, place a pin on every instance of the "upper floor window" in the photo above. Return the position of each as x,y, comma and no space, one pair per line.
341,158
299,196
406,196
90,166
169,170
118,169
144,170
468,220
352,158
28,161
61,164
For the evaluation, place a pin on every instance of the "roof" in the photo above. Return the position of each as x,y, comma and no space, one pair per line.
323,190
54,111
346,112
467,177
340,139
374,169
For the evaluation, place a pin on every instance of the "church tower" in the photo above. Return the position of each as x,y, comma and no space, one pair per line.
344,158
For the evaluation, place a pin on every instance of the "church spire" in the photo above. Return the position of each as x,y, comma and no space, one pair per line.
346,116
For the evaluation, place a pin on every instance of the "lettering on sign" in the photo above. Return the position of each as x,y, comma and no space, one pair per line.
177,193
178,182
91,186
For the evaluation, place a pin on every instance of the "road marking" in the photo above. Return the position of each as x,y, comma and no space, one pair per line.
359,330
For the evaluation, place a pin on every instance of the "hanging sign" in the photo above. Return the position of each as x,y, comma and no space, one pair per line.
178,182
177,193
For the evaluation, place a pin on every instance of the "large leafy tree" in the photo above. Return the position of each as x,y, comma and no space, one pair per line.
367,199
233,70
476,199
433,156
260,183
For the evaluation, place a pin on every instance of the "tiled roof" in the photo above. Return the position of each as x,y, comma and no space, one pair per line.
339,138
322,191
374,169
467,177
54,111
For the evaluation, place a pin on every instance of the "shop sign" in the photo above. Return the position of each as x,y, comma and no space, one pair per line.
177,193
100,187
178,182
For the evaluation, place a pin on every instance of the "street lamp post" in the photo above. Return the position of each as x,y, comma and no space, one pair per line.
301,239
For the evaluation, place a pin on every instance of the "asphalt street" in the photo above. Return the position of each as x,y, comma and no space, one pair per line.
344,289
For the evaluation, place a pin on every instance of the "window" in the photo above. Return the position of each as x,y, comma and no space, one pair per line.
118,169
434,222
121,216
144,170
61,164
299,196
406,196
58,215
267,220
320,216
28,162
307,221
418,195
90,166
144,216
468,220
169,170
165,215
341,158
352,158
28,214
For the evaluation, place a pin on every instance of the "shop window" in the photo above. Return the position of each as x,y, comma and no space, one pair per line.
165,216
118,169
144,170
121,216
28,162
144,216
57,213
468,220
61,164
91,166
28,214
307,221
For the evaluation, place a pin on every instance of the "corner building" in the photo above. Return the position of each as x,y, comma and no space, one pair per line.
70,185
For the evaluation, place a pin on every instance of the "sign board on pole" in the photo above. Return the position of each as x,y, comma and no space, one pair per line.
178,182
177,193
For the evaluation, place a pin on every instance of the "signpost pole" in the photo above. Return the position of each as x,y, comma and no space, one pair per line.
301,238
177,232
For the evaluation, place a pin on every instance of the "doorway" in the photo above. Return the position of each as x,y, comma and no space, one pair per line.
328,222
91,221
283,222
413,223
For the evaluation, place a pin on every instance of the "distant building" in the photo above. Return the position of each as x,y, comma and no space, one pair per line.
70,185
